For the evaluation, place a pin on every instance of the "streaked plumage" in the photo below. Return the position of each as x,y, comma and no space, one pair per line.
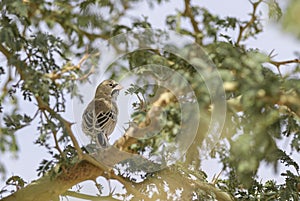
100,117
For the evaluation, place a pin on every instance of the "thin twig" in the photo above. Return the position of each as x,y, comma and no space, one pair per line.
5,86
280,63
85,76
66,124
249,23
216,177
44,106
54,132
68,69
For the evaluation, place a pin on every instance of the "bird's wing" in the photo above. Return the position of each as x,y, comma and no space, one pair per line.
99,120
88,120
106,116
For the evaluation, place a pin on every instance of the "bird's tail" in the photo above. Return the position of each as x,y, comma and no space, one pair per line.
102,140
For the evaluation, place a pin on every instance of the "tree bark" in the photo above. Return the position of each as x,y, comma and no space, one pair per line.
50,187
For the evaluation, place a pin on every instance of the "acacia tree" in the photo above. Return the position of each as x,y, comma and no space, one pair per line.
46,70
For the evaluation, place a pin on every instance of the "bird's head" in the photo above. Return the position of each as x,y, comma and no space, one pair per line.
108,88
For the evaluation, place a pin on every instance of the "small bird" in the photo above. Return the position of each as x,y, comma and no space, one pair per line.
100,117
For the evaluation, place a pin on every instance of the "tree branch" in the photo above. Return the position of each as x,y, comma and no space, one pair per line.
280,63
42,105
49,187
90,167
66,124
189,13
54,132
249,23
88,197
174,179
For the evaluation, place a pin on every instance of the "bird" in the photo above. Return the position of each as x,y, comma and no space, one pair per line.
100,116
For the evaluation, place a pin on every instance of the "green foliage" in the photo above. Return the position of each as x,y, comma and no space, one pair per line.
65,159
16,181
213,25
45,166
291,18
41,43
13,184
274,10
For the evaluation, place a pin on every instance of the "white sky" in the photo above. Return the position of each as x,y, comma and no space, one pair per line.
284,44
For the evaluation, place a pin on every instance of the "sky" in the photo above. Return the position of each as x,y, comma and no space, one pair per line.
284,44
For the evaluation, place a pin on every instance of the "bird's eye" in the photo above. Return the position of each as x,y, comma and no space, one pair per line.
111,85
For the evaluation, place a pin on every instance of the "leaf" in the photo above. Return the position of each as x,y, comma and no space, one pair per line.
45,166
16,181
275,12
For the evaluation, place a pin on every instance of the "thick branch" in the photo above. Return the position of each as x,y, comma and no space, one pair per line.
50,187
189,13
177,179
88,197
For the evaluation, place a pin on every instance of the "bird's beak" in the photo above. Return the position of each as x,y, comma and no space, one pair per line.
119,87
